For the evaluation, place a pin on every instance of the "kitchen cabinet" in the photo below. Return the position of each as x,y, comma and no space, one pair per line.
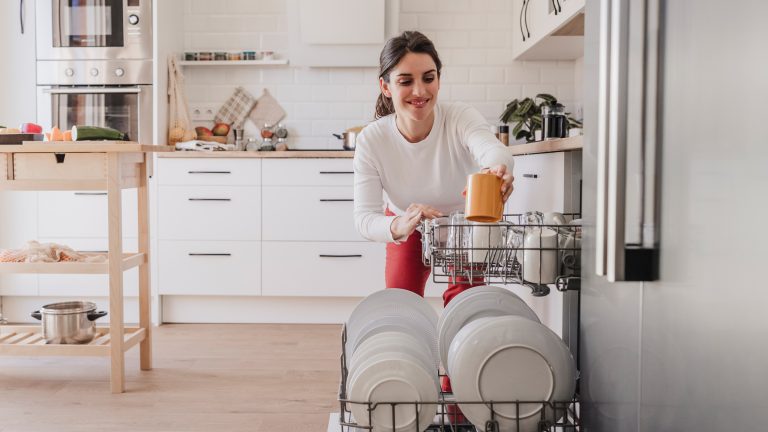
17,75
340,33
548,29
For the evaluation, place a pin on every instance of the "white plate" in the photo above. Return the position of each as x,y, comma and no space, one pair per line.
474,303
392,341
393,377
391,302
413,325
506,359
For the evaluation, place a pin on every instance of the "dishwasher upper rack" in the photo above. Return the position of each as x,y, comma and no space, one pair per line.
446,419
512,251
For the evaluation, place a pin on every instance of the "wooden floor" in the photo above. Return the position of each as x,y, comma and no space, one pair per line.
206,377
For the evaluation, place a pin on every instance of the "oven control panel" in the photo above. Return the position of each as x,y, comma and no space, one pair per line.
95,72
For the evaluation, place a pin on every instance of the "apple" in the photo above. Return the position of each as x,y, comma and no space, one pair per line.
203,131
221,129
31,128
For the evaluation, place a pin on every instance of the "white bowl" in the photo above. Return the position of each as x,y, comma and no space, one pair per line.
474,303
393,377
510,358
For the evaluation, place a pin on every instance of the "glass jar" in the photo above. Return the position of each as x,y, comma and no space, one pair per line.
249,55
554,122
234,56
220,55
205,56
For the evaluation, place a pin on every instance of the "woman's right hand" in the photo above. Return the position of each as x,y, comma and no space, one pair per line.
402,226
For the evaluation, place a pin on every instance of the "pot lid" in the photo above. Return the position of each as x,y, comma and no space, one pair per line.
65,308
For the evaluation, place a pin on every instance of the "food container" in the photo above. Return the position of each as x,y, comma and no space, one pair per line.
267,55
190,56
234,56
205,56
68,322
220,55
249,55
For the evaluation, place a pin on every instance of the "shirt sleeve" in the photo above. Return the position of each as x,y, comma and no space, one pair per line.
486,149
370,220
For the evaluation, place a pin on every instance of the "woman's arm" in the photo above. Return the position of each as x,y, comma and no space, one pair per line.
370,220
486,149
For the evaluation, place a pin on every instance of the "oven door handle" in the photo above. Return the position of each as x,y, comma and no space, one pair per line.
93,90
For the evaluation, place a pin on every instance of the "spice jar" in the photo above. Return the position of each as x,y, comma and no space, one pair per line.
503,134
233,56
220,55
554,123
190,56
205,56
249,55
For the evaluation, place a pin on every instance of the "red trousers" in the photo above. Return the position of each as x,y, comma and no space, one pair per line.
405,269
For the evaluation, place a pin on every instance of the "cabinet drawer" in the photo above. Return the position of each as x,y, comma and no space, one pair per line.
83,285
65,214
325,269
539,184
209,268
309,213
192,171
209,213
43,166
307,172
3,166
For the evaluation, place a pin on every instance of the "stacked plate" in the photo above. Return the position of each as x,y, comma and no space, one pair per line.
495,349
391,354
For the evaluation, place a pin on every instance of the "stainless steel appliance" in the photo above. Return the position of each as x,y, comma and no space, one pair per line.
116,94
672,298
68,322
94,29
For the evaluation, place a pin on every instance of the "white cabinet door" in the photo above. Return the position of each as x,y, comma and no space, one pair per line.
209,213
17,74
208,171
57,285
539,183
307,172
547,30
309,213
66,214
209,268
322,269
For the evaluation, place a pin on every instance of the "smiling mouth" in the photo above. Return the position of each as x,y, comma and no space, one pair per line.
419,103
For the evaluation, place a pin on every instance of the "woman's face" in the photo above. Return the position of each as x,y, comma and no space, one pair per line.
413,86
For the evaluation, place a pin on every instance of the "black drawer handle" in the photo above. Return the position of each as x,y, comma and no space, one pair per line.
90,193
336,200
339,256
531,175
209,172
210,199
337,172
209,254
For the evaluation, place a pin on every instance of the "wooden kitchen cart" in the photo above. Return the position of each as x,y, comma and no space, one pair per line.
88,166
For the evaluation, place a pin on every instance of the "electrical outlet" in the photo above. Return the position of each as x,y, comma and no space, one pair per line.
203,112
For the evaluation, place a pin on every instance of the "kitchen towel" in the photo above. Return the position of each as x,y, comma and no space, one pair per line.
267,111
235,110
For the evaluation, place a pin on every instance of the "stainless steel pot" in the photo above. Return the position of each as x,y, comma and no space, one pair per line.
348,139
68,322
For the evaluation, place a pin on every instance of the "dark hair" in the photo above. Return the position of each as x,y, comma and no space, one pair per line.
394,50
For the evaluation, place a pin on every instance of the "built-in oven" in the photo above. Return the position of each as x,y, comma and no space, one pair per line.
93,29
68,94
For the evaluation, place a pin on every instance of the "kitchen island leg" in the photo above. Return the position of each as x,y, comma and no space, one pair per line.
115,256
144,275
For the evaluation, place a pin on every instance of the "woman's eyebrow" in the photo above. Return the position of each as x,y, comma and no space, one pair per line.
410,74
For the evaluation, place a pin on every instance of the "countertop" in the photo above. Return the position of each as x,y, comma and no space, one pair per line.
550,146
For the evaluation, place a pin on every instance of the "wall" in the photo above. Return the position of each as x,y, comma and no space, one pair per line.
473,38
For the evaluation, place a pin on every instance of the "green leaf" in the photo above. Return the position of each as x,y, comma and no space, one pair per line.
517,128
522,134
524,106
547,98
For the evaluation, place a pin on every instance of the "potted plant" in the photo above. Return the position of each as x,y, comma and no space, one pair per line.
527,114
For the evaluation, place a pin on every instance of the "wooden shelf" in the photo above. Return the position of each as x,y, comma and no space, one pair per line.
130,260
28,341
233,62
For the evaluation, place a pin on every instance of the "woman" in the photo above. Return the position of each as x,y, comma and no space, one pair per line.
418,153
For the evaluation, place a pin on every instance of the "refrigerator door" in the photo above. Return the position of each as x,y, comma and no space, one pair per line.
688,352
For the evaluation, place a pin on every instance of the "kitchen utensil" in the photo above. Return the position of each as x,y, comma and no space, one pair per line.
507,359
19,138
485,242
393,341
475,303
348,139
68,322
539,255
484,199
554,121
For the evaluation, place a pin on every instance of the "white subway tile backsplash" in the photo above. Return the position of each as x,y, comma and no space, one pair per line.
490,75
473,38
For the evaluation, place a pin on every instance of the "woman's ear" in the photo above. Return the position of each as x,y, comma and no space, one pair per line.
384,86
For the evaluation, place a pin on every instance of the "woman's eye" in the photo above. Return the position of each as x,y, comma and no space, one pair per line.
404,82
429,79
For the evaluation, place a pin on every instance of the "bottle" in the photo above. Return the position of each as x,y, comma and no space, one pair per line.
503,134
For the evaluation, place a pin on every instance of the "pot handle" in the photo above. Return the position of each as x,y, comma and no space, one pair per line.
37,315
93,316
338,136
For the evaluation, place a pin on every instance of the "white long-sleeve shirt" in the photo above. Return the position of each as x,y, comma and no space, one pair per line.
394,173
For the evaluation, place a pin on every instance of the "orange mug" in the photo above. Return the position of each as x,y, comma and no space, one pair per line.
484,198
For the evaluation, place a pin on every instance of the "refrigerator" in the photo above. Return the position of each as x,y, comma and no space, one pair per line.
674,323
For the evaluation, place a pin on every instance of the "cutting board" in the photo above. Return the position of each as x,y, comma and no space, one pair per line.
19,138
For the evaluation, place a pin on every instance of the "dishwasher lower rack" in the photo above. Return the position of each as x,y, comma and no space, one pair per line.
568,412
520,249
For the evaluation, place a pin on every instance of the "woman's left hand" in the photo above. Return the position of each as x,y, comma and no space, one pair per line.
506,179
